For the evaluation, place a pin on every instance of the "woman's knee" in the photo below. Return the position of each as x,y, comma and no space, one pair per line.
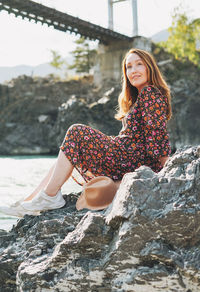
76,128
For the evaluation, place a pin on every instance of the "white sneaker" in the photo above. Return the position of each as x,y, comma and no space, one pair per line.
42,202
17,210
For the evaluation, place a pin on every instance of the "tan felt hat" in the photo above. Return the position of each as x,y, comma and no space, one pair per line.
97,194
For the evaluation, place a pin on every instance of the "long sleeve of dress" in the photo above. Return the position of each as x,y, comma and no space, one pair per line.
153,107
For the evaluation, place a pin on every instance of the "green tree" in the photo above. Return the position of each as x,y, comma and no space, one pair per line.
57,61
83,56
184,38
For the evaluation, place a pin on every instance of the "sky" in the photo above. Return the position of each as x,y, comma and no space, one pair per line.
27,43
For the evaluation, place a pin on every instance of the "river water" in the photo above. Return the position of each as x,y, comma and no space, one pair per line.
19,175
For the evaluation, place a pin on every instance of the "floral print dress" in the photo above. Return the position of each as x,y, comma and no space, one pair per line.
142,140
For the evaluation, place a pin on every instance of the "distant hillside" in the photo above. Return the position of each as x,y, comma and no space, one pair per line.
7,73
161,36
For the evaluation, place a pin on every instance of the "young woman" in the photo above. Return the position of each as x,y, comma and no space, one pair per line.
144,109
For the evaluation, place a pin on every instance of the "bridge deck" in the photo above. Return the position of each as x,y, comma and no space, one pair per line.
61,21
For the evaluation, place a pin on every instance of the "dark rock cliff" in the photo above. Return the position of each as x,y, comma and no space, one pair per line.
148,239
35,113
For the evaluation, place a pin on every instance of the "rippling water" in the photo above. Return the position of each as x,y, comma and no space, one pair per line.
19,175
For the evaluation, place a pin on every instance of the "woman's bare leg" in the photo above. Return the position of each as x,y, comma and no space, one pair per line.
55,178
61,172
42,184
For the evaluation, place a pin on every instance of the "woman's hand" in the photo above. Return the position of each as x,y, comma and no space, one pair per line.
163,160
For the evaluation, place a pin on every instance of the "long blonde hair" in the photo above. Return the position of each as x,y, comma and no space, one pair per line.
129,93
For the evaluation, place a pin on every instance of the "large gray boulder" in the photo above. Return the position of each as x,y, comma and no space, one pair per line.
146,240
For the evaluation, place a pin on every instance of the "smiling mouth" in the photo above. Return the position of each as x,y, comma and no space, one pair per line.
137,76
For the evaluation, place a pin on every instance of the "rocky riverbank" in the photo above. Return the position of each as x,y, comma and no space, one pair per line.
146,240
36,112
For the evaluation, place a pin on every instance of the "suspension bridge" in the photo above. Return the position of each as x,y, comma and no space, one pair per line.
33,11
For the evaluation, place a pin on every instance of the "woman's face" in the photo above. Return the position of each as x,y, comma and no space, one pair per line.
136,71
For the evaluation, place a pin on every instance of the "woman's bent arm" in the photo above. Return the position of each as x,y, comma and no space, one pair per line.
153,109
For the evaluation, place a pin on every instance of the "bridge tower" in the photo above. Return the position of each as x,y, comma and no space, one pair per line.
110,54
134,15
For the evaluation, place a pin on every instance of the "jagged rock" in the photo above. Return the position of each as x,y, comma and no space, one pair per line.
37,123
146,240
